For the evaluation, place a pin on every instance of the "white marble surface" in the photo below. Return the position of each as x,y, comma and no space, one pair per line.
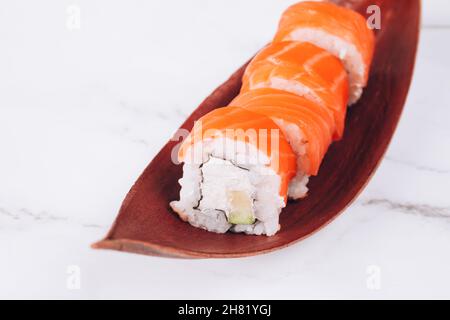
82,111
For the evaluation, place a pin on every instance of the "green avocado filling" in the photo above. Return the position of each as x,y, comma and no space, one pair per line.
241,208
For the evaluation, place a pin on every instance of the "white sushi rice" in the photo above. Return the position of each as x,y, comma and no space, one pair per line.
344,50
213,172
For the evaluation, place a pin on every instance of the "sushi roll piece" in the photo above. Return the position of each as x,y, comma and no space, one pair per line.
236,172
307,126
341,31
305,70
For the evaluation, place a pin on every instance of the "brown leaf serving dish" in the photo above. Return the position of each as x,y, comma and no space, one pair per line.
147,225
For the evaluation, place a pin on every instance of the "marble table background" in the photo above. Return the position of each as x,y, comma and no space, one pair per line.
84,107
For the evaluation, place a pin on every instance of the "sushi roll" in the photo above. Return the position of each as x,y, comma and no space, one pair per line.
305,70
307,126
341,31
236,172
242,163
